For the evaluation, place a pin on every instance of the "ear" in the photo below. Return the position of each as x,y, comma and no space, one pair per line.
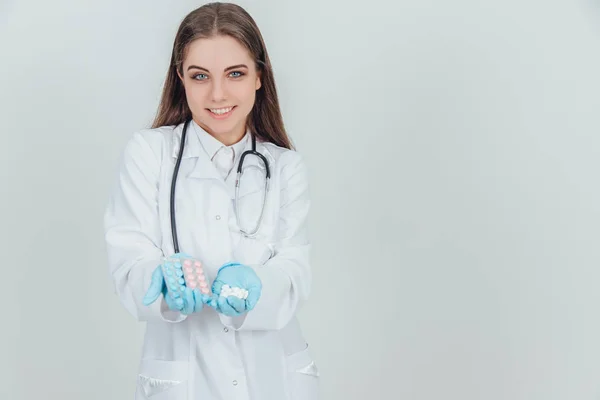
258,83
180,77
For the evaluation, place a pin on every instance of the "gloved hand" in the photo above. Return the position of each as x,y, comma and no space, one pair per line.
187,302
240,276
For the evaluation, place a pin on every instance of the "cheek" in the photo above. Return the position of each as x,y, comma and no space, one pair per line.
248,95
194,94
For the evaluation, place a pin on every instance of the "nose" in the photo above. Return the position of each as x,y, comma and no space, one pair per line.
218,91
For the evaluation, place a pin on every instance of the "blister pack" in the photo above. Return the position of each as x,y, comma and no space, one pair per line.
181,272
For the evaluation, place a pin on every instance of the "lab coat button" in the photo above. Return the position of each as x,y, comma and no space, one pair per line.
226,330
218,217
234,383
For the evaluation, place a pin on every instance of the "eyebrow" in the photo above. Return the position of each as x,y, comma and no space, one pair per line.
225,70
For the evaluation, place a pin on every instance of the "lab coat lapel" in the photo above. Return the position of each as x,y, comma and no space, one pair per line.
253,167
253,250
254,170
203,168
198,177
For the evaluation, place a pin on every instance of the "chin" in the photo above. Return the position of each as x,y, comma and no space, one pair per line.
221,129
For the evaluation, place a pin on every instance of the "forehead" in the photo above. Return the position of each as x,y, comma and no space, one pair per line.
217,53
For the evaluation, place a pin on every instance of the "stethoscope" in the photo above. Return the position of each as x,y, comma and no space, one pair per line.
253,152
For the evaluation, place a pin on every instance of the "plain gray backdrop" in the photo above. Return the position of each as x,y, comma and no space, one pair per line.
454,154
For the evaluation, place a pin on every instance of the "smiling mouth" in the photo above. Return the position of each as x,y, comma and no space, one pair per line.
222,110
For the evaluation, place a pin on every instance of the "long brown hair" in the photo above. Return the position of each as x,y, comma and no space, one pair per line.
224,19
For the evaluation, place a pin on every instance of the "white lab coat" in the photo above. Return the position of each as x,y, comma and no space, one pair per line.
261,355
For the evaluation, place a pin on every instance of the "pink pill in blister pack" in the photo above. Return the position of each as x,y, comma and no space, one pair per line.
193,273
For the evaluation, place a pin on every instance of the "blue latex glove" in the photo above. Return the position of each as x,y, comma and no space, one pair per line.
188,302
235,275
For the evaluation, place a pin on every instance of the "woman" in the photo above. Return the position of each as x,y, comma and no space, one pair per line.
220,90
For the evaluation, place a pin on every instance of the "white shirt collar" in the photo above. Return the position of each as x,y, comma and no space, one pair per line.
212,145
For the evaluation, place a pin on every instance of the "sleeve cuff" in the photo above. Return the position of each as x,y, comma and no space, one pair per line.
234,323
169,315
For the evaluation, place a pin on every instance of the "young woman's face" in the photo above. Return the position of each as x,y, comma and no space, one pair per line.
220,81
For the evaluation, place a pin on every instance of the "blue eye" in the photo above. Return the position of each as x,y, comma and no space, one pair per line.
203,77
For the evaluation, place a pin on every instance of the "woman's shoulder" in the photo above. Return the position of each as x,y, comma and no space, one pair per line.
154,137
150,141
282,154
288,161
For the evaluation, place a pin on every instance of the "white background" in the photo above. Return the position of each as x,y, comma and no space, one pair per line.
454,153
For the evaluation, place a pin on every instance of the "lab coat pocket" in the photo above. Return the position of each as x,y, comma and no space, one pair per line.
162,380
303,376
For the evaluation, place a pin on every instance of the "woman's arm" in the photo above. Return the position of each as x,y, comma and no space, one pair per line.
286,277
132,230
